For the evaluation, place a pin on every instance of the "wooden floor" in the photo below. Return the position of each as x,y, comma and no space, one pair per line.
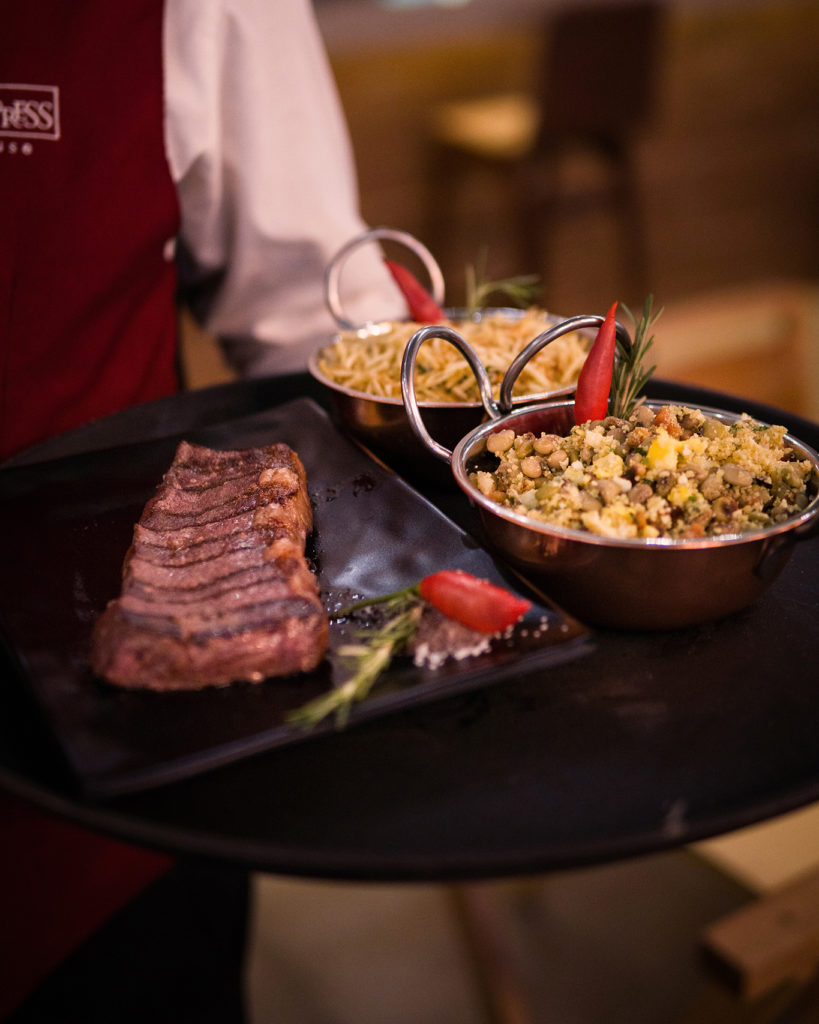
623,942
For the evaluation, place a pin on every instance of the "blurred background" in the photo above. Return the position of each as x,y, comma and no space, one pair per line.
614,150
668,148
692,173
719,117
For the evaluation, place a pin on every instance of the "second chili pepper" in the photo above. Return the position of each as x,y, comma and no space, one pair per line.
591,399
421,305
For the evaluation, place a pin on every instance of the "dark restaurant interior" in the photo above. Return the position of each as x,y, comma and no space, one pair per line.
697,182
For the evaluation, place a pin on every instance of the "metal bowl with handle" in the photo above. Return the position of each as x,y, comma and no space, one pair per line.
631,583
381,422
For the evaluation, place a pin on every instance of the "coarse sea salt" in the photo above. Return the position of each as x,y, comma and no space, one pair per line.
425,656
443,640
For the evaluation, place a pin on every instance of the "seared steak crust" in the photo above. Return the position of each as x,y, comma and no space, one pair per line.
215,585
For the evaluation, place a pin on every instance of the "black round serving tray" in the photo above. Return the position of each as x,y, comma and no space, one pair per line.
644,742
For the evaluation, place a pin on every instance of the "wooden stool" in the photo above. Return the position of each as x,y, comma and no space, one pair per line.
595,92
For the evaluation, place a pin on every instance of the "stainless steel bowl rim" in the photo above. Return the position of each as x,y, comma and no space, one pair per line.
381,326
459,470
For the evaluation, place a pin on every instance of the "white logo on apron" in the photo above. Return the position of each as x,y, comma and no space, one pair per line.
28,112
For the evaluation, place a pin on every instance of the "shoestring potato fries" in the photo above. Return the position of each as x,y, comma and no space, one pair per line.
368,361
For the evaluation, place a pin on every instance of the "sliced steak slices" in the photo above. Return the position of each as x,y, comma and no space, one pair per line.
215,585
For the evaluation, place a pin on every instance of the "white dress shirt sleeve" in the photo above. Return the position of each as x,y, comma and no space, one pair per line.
258,147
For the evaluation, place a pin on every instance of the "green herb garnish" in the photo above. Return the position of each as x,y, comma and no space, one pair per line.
630,376
475,603
520,290
367,660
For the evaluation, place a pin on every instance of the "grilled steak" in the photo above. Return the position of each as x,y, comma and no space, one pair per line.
215,585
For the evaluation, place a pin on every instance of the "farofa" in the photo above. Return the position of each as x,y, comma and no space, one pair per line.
675,473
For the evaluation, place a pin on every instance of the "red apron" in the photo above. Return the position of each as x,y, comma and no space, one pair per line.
87,212
87,327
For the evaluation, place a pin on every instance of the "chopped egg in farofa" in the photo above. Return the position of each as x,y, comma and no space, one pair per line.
674,472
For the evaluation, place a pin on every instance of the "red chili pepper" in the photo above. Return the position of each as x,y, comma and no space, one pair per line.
473,602
423,309
591,400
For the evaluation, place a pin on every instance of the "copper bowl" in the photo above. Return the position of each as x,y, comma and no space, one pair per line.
626,583
633,583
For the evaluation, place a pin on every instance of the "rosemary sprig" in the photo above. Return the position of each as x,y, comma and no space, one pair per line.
520,290
366,661
630,375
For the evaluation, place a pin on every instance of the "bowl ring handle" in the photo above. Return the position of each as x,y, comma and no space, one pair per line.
575,323
332,275
408,382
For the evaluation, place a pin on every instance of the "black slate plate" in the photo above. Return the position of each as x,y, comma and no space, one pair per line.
68,524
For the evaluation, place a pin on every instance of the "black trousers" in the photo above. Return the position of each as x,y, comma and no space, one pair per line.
174,955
